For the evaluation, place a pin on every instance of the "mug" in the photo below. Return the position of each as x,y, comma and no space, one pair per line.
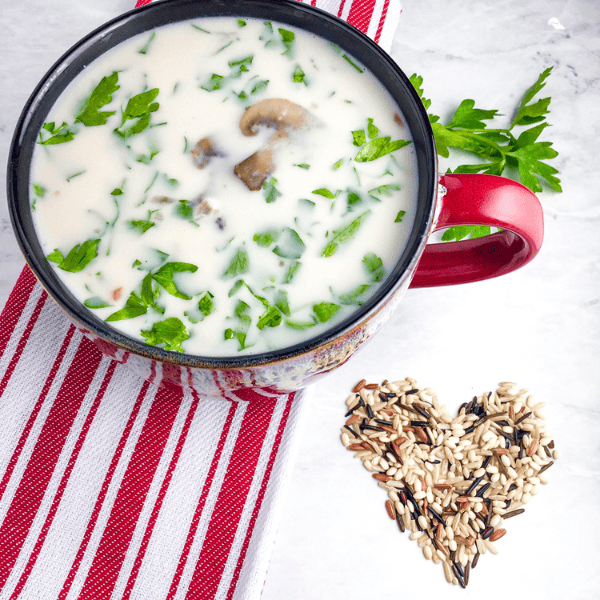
443,201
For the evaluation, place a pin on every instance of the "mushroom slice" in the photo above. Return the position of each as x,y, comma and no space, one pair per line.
255,170
203,151
282,115
274,112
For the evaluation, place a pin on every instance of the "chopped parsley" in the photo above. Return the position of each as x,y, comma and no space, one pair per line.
289,245
292,270
270,191
343,235
91,115
184,210
79,257
240,264
59,135
144,49
96,302
165,277
266,238
325,310
139,109
171,333
298,76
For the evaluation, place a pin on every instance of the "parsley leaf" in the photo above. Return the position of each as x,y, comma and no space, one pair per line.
101,95
139,109
372,131
266,238
298,76
281,302
171,332
325,310
134,307
290,244
214,83
79,257
204,308
270,191
95,302
527,114
384,190
206,305
292,270
324,192
359,137
39,190
343,235
379,147
164,277
144,49
239,265
59,135
240,332
353,296
301,325
374,266
141,226
184,210
287,37
459,232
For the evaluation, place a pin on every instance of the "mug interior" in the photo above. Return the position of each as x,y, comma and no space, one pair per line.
166,12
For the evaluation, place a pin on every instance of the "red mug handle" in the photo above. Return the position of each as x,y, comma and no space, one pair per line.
476,199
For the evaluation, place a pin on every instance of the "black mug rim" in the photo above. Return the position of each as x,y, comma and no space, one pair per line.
148,17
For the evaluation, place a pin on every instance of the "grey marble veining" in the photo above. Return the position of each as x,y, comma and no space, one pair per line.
539,326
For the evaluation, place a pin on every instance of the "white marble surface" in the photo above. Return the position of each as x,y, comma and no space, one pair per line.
539,326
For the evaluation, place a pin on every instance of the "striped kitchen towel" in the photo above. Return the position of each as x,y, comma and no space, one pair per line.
114,487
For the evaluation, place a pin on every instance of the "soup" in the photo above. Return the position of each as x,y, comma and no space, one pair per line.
224,186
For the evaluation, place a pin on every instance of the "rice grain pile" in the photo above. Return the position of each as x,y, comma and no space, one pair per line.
451,482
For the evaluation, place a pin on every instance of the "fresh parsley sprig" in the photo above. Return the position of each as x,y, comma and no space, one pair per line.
497,148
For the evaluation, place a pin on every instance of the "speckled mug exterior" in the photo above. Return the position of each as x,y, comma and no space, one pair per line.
278,371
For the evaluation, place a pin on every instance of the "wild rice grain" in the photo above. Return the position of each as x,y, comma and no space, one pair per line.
400,521
359,386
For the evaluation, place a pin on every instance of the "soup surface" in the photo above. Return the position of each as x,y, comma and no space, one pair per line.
224,186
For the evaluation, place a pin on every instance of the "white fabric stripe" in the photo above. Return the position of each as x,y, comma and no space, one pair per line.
61,465
72,517
36,429
331,6
390,25
29,378
251,578
152,495
20,327
346,10
257,479
174,521
211,501
375,18
115,484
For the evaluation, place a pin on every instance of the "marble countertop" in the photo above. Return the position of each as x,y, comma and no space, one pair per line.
539,326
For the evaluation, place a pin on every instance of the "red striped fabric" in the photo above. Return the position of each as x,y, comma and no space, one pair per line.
112,486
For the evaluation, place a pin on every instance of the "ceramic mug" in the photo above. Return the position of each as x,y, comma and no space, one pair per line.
457,199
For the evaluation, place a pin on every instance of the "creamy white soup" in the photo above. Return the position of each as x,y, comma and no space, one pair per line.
224,186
